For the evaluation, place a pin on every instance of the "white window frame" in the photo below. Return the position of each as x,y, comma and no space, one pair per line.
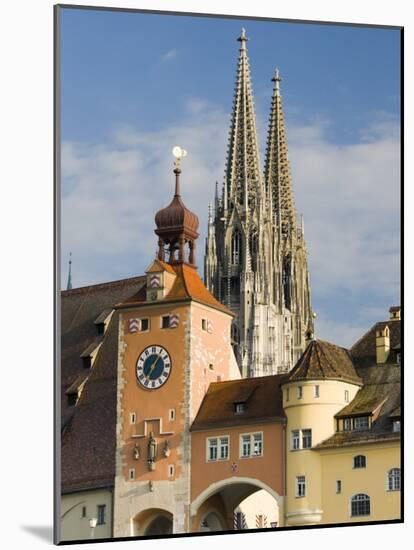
240,408
308,436
295,440
300,486
393,480
360,418
359,467
131,474
316,391
299,392
102,507
347,424
219,447
149,324
396,426
360,515
171,415
297,435
161,322
133,418
251,445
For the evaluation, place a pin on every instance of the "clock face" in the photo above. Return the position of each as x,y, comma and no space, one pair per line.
153,367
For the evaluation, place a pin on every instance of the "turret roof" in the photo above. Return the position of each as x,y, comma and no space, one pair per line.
322,360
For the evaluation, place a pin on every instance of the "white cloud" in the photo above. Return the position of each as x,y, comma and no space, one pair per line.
171,54
349,195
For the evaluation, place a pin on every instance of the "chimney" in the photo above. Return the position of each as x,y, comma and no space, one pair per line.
395,313
382,342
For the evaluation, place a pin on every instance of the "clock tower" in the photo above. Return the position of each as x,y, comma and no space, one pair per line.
173,341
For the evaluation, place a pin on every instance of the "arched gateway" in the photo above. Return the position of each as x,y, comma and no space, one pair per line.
228,504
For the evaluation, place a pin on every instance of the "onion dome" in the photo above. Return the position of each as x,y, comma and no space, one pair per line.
176,225
176,216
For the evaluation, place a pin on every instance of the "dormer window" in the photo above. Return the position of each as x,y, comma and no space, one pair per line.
361,423
87,362
240,408
396,426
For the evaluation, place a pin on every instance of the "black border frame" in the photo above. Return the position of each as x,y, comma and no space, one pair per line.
56,258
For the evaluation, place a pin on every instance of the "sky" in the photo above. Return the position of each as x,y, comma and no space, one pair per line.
133,85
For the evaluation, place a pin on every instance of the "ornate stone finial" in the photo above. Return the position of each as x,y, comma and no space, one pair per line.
243,38
277,79
69,284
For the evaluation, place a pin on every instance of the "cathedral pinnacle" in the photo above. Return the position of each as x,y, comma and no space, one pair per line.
69,284
243,39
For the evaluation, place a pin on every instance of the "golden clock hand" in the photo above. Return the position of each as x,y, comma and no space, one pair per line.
153,366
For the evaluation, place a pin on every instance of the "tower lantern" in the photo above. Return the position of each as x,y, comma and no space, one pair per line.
176,225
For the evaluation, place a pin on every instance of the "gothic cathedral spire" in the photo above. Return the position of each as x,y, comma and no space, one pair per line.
255,256
277,176
243,181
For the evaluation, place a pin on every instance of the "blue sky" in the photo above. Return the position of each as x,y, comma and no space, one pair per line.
133,85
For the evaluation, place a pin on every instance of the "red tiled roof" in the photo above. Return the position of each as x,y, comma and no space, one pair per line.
262,395
187,285
323,360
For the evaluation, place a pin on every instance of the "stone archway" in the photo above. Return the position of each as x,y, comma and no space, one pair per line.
227,497
152,522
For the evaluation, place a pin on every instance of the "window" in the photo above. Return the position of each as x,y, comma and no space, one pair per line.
218,448
101,514
257,444
132,418
287,394
306,439
394,479
295,439
224,448
301,439
346,396
144,324
239,408
299,393
165,321
360,461
398,358
171,470
171,414
316,391
83,515
212,449
251,445
204,324
338,486
132,473
300,486
347,424
245,445
361,423
396,426
360,505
